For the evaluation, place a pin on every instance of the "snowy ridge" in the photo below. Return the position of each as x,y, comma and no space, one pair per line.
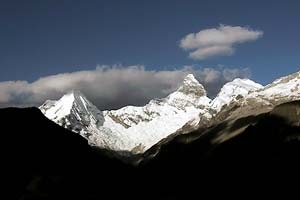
281,90
133,130
238,88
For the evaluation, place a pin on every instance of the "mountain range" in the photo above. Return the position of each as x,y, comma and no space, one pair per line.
245,142
132,131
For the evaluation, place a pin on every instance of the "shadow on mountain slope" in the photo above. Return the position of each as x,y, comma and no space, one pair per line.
35,150
40,159
264,154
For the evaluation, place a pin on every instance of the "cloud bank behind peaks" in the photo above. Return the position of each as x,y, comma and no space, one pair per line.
112,87
218,41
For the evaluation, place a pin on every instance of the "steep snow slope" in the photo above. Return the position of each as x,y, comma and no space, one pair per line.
281,90
73,111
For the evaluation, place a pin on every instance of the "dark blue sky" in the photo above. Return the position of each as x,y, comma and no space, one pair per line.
40,38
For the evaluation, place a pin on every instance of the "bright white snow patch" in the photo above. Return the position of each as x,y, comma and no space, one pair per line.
60,108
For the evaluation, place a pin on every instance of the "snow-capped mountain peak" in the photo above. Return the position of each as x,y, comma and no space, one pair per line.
60,108
238,88
73,111
189,93
191,86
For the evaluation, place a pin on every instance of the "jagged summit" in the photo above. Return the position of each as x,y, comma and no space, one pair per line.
65,104
75,92
189,94
191,86
73,111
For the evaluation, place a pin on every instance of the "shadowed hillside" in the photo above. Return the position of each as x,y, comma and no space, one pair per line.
36,150
43,160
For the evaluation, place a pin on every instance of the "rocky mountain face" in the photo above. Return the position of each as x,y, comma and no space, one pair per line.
133,130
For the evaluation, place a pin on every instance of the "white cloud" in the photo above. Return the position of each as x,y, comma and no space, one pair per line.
113,87
219,41
210,51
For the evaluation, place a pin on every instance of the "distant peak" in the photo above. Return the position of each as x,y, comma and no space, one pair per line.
190,77
240,79
74,92
190,85
244,82
72,97
190,80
